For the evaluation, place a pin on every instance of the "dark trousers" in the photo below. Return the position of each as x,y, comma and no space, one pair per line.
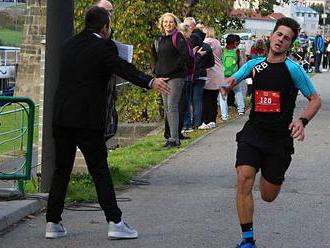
92,145
325,61
317,61
231,99
210,105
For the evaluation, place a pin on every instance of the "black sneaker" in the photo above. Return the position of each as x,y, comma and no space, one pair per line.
182,137
166,143
170,144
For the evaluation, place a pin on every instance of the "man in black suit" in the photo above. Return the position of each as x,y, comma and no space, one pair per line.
88,60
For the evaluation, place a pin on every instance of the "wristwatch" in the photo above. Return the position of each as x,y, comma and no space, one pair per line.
304,121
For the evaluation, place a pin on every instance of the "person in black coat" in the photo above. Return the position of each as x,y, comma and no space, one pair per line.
88,60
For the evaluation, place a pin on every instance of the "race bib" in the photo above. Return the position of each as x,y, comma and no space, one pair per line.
267,101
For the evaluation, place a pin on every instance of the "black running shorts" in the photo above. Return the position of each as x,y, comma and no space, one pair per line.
268,153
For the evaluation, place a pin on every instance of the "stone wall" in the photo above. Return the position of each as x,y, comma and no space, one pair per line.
34,31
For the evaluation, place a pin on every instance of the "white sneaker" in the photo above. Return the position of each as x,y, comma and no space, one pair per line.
203,126
188,130
212,125
121,231
54,231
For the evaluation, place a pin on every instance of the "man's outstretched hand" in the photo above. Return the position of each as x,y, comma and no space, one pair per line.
226,87
161,86
230,82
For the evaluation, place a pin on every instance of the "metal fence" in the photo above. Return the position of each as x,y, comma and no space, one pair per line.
23,129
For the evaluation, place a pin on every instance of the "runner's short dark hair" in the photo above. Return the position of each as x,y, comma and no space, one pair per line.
290,23
95,19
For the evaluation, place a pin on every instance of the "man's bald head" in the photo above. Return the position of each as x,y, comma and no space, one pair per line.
105,4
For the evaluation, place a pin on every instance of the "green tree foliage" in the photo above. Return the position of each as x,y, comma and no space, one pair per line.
216,13
80,7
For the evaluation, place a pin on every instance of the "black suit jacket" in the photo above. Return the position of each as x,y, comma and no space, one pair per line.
87,63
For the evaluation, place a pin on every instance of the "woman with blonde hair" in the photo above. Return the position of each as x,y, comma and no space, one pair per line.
215,77
172,58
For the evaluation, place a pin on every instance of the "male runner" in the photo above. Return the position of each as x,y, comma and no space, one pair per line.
266,141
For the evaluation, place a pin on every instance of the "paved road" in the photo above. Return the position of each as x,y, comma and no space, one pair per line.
190,202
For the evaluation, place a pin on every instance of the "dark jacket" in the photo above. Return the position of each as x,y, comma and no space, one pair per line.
201,62
197,37
86,65
318,44
172,62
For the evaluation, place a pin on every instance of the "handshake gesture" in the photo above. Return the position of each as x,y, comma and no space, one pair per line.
226,87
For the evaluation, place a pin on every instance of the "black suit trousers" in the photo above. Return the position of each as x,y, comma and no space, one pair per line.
92,145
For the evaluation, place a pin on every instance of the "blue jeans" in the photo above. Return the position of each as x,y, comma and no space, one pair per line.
198,89
222,102
187,91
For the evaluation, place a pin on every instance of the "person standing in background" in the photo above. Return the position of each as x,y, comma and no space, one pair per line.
203,59
325,59
172,59
186,95
248,45
318,50
231,62
303,43
214,78
258,50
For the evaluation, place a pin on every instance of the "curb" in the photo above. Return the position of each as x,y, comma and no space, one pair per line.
12,212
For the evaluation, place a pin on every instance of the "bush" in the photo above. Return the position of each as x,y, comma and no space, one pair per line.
135,104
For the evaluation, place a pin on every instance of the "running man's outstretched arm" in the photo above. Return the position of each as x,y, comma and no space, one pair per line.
244,72
297,126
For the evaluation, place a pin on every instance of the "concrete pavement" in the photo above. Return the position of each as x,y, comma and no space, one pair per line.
190,201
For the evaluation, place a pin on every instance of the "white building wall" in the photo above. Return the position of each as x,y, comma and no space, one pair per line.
310,2
259,27
286,10
308,22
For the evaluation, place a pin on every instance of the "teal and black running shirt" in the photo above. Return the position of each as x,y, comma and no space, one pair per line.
274,91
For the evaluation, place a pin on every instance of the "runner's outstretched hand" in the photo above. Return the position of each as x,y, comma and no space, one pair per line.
297,130
230,84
